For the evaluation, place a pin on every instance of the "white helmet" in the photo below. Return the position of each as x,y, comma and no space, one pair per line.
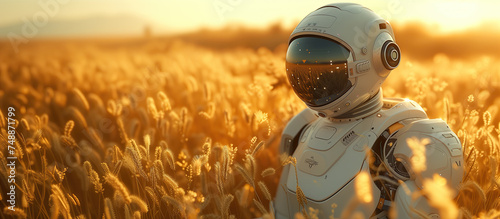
338,57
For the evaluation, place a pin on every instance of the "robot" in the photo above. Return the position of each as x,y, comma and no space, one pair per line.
337,59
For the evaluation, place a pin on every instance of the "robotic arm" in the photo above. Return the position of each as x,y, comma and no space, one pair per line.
437,148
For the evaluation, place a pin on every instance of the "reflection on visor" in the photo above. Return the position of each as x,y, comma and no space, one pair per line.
317,70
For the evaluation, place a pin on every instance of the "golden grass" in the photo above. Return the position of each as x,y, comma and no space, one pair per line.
168,129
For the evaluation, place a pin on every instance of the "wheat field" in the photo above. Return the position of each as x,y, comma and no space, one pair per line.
178,128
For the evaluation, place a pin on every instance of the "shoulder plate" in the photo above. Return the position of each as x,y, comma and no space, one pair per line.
293,129
427,147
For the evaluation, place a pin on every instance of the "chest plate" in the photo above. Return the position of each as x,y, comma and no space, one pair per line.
331,153
329,156
323,143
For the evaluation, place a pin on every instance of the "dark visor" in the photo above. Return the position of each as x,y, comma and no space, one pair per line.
317,69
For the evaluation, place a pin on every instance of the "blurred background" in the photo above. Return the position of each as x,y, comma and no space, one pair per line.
58,18
457,28
202,82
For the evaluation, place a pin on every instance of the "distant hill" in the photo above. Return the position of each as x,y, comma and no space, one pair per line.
239,36
118,25
417,40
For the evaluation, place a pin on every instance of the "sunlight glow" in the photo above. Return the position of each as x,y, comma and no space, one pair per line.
175,16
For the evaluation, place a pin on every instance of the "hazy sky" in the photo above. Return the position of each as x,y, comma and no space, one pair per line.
182,15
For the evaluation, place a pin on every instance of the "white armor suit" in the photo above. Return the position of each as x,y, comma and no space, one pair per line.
337,59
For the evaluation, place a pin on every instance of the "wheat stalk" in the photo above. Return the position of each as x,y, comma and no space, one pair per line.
143,207
493,171
158,152
246,175
69,127
135,148
440,196
176,204
109,211
165,102
265,190
24,123
118,200
17,212
168,158
127,212
147,143
137,215
226,203
105,168
96,102
77,116
170,182
2,120
94,177
119,187
95,138
75,198
151,194
136,159
62,200
55,206
251,165
81,98
111,108
158,166
257,148
268,172
152,108
121,129
261,207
